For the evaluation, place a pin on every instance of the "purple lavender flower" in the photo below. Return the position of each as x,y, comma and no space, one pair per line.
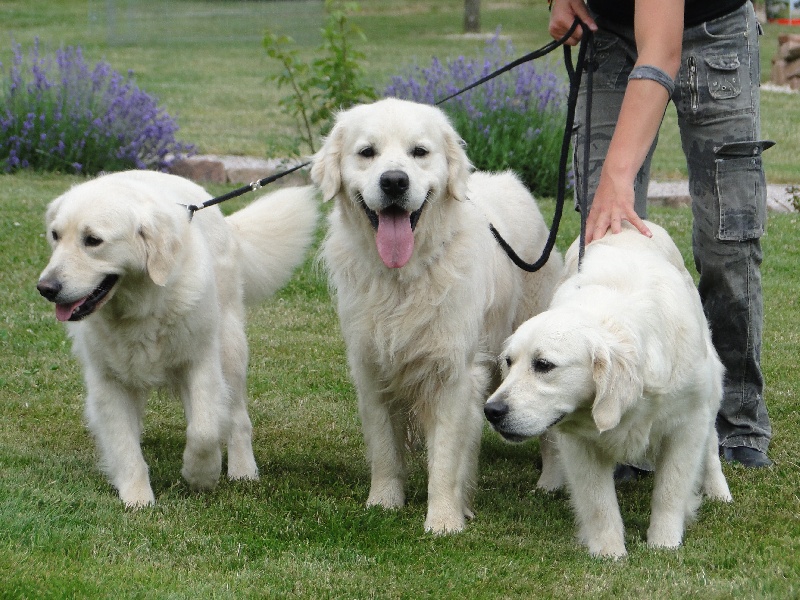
514,121
60,114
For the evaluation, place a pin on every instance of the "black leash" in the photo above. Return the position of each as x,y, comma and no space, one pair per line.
544,50
583,197
574,77
587,46
250,187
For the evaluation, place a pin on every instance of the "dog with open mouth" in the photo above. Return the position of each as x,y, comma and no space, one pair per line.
153,299
620,369
425,295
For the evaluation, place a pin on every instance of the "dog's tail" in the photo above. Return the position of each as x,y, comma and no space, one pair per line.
274,234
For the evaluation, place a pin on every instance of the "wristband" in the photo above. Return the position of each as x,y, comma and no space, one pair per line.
654,74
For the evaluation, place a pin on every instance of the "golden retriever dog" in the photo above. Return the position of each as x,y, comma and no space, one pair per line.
425,295
152,299
622,368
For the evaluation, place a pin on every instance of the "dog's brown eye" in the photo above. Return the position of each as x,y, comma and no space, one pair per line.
92,241
419,152
367,152
54,235
540,365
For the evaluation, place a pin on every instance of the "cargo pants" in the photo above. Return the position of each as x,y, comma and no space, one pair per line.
717,102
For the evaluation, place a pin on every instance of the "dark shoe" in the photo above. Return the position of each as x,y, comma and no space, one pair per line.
749,457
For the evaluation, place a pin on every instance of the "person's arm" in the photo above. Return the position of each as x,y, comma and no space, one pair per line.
658,26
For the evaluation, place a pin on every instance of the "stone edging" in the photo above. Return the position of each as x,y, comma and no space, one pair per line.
210,168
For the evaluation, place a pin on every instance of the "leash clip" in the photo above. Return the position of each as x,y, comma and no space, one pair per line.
191,208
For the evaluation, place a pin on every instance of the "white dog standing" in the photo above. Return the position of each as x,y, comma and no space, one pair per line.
622,367
152,300
425,294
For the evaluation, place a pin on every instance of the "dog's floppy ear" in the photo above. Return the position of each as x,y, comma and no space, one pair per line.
458,164
52,209
162,243
618,384
326,164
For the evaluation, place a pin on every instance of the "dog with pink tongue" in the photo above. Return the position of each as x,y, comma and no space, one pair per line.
424,293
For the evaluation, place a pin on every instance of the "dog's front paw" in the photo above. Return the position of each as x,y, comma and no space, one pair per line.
664,537
608,542
202,470
441,523
242,468
137,495
608,549
387,494
552,477
241,462
716,488
718,495
551,480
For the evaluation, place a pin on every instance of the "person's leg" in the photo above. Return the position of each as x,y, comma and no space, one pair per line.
616,56
717,99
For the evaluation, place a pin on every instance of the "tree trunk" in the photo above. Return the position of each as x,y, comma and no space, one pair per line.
472,16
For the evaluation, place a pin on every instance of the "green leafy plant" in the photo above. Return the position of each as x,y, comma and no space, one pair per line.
331,82
794,190
295,74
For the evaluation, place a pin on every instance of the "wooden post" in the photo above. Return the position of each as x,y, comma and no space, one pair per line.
472,16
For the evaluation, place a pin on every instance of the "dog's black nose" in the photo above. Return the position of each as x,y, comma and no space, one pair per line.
495,411
394,183
49,288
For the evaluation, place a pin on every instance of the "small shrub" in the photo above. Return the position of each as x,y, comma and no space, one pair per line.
794,191
515,121
60,115
331,82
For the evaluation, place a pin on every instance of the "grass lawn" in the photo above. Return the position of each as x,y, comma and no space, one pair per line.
302,530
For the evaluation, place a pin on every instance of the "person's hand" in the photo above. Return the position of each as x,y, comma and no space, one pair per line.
613,203
562,16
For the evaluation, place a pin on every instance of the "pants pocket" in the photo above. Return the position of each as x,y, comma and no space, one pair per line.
741,190
724,81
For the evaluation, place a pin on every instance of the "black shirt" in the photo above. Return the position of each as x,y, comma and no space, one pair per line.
695,12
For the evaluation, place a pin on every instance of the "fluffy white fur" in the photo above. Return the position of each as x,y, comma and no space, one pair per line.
174,316
622,367
422,337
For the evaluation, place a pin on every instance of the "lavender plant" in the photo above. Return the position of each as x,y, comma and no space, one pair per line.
515,121
57,114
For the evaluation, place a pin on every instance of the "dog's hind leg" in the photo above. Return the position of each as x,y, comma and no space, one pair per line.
715,486
677,479
114,415
241,462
